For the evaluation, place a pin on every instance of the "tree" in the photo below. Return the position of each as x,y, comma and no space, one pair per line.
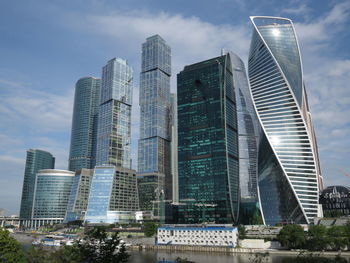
98,247
10,248
337,237
241,232
292,236
150,229
317,238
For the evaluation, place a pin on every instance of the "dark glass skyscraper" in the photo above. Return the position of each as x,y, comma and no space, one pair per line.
114,115
288,167
36,160
208,164
84,124
154,158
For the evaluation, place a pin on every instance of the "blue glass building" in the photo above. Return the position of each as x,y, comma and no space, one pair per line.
51,194
114,117
35,161
113,196
248,135
288,168
154,157
79,195
208,158
84,124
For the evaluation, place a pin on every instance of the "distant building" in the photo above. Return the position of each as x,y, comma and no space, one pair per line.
208,164
113,196
154,154
114,115
289,169
51,194
335,201
36,160
79,195
198,235
84,124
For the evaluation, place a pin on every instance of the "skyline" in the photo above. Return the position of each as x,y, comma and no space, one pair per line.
44,119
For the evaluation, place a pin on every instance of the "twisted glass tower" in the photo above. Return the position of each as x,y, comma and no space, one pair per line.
288,167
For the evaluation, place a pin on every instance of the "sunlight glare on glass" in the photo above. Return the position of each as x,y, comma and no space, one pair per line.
275,32
275,140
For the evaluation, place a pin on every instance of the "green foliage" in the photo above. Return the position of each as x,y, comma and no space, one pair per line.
98,247
241,232
10,248
317,238
257,218
292,236
40,254
337,237
150,229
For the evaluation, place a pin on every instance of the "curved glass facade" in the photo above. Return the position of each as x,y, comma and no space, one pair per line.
84,124
248,132
52,189
287,174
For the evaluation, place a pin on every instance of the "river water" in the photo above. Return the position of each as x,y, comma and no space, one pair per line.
203,257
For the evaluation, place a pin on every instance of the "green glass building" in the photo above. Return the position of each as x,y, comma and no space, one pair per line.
36,160
208,169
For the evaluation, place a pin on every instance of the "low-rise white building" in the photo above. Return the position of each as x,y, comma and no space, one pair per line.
198,235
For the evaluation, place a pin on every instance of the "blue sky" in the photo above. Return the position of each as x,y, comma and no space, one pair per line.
46,46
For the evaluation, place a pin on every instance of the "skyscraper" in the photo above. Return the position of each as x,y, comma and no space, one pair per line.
154,143
114,116
248,132
208,164
84,124
288,169
174,163
35,161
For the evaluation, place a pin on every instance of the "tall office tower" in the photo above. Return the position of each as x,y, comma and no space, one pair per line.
154,167
79,195
51,194
113,196
35,161
114,115
208,165
248,132
84,124
288,168
174,163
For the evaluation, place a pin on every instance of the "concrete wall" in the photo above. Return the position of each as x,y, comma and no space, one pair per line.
259,244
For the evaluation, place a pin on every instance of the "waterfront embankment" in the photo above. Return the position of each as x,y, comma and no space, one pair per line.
227,250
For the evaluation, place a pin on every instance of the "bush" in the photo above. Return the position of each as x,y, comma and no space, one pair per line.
292,236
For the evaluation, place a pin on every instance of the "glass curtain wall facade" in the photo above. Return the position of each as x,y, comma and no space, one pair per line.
174,163
154,155
36,160
287,169
79,195
208,164
248,132
84,124
51,194
113,196
114,117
